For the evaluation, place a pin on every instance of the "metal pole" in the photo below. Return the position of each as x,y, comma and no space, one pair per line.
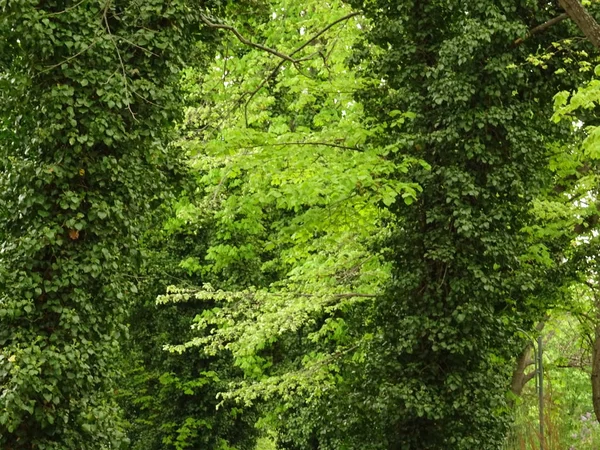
541,390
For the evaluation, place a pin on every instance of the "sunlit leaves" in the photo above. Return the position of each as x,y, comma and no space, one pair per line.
295,196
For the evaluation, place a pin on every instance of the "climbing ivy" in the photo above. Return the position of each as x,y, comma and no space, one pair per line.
468,275
89,93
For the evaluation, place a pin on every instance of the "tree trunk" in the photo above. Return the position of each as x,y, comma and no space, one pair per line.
596,372
520,378
583,19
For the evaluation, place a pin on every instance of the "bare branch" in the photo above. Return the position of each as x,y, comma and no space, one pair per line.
316,36
67,9
541,28
90,45
302,143
137,46
248,42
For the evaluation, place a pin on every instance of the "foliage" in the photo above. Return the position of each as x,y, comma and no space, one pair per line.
426,366
570,214
466,276
293,200
170,402
381,210
569,422
89,92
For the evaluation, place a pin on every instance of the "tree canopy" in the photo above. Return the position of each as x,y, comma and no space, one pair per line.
332,225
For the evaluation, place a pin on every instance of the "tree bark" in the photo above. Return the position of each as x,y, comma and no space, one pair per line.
583,19
520,378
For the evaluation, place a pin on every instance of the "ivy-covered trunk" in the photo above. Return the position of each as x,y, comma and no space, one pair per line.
466,276
88,94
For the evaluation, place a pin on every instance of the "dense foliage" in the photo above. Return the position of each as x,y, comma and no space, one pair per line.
354,215
290,165
170,401
466,276
89,95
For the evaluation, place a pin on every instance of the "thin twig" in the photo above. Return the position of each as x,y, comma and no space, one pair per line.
127,93
146,100
137,46
112,75
72,57
66,9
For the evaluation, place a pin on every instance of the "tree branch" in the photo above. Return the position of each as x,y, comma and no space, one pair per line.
273,51
66,9
331,25
541,28
528,377
284,57
245,41
584,20
301,143
86,48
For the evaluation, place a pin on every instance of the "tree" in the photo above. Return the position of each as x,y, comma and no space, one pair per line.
428,364
171,402
89,95
579,170
467,275
290,198
584,20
